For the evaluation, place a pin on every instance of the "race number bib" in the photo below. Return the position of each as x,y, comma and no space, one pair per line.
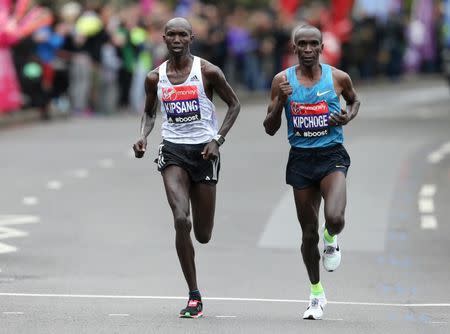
310,120
181,104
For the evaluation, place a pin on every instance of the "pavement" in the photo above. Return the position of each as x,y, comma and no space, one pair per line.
87,240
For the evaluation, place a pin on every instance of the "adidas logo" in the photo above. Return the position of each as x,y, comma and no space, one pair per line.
194,78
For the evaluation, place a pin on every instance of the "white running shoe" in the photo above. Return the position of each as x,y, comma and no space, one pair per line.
315,307
331,258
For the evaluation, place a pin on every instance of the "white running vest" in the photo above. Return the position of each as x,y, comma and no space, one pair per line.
188,114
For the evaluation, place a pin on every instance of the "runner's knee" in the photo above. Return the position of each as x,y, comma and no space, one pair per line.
203,237
335,223
182,223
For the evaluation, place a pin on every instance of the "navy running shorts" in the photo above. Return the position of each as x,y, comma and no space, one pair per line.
306,167
189,157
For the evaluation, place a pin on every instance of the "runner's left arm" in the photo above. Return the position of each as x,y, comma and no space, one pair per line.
220,85
226,93
350,97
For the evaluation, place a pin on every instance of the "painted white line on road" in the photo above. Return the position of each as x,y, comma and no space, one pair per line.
7,220
106,163
428,190
30,200
231,299
426,205
333,319
435,157
4,248
439,322
439,154
54,185
428,222
8,232
225,316
118,315
81,173
14,313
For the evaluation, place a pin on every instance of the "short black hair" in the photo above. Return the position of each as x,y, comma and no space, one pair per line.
179,21
306,27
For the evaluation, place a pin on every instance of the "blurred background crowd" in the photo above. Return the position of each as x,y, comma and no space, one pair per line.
92,56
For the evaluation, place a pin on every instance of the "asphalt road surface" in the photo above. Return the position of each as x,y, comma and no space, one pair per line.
87,242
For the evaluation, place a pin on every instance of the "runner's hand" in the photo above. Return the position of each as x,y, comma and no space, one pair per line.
140,147
340,119
211,151
285,89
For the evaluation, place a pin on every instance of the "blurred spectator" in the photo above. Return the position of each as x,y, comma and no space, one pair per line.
141,40
100,55
48,41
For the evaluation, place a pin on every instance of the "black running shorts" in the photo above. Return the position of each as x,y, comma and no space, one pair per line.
189,157
306,167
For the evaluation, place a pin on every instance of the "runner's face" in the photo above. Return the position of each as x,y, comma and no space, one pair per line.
308,47
178,40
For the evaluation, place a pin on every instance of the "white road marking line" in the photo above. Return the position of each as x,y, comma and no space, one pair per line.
4,248
435,157
426,205
428,222
439,322
81,173
54,185
15,313
49,295
8,232
428,190
333,319
225,316
18,220
118,315
439,154
106,163
30,200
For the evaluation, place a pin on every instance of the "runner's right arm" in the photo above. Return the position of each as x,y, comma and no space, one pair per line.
280,91
149,115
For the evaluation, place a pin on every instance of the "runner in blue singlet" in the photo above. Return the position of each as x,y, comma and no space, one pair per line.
318,162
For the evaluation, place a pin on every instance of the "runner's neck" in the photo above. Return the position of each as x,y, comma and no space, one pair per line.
179,63
312,73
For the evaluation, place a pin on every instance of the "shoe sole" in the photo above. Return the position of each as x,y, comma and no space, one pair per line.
185,316
311,317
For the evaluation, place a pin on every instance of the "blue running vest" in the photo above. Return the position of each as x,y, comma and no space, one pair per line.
308,112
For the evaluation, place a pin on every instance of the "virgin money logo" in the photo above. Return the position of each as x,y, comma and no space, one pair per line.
319,108
169,93
179,93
